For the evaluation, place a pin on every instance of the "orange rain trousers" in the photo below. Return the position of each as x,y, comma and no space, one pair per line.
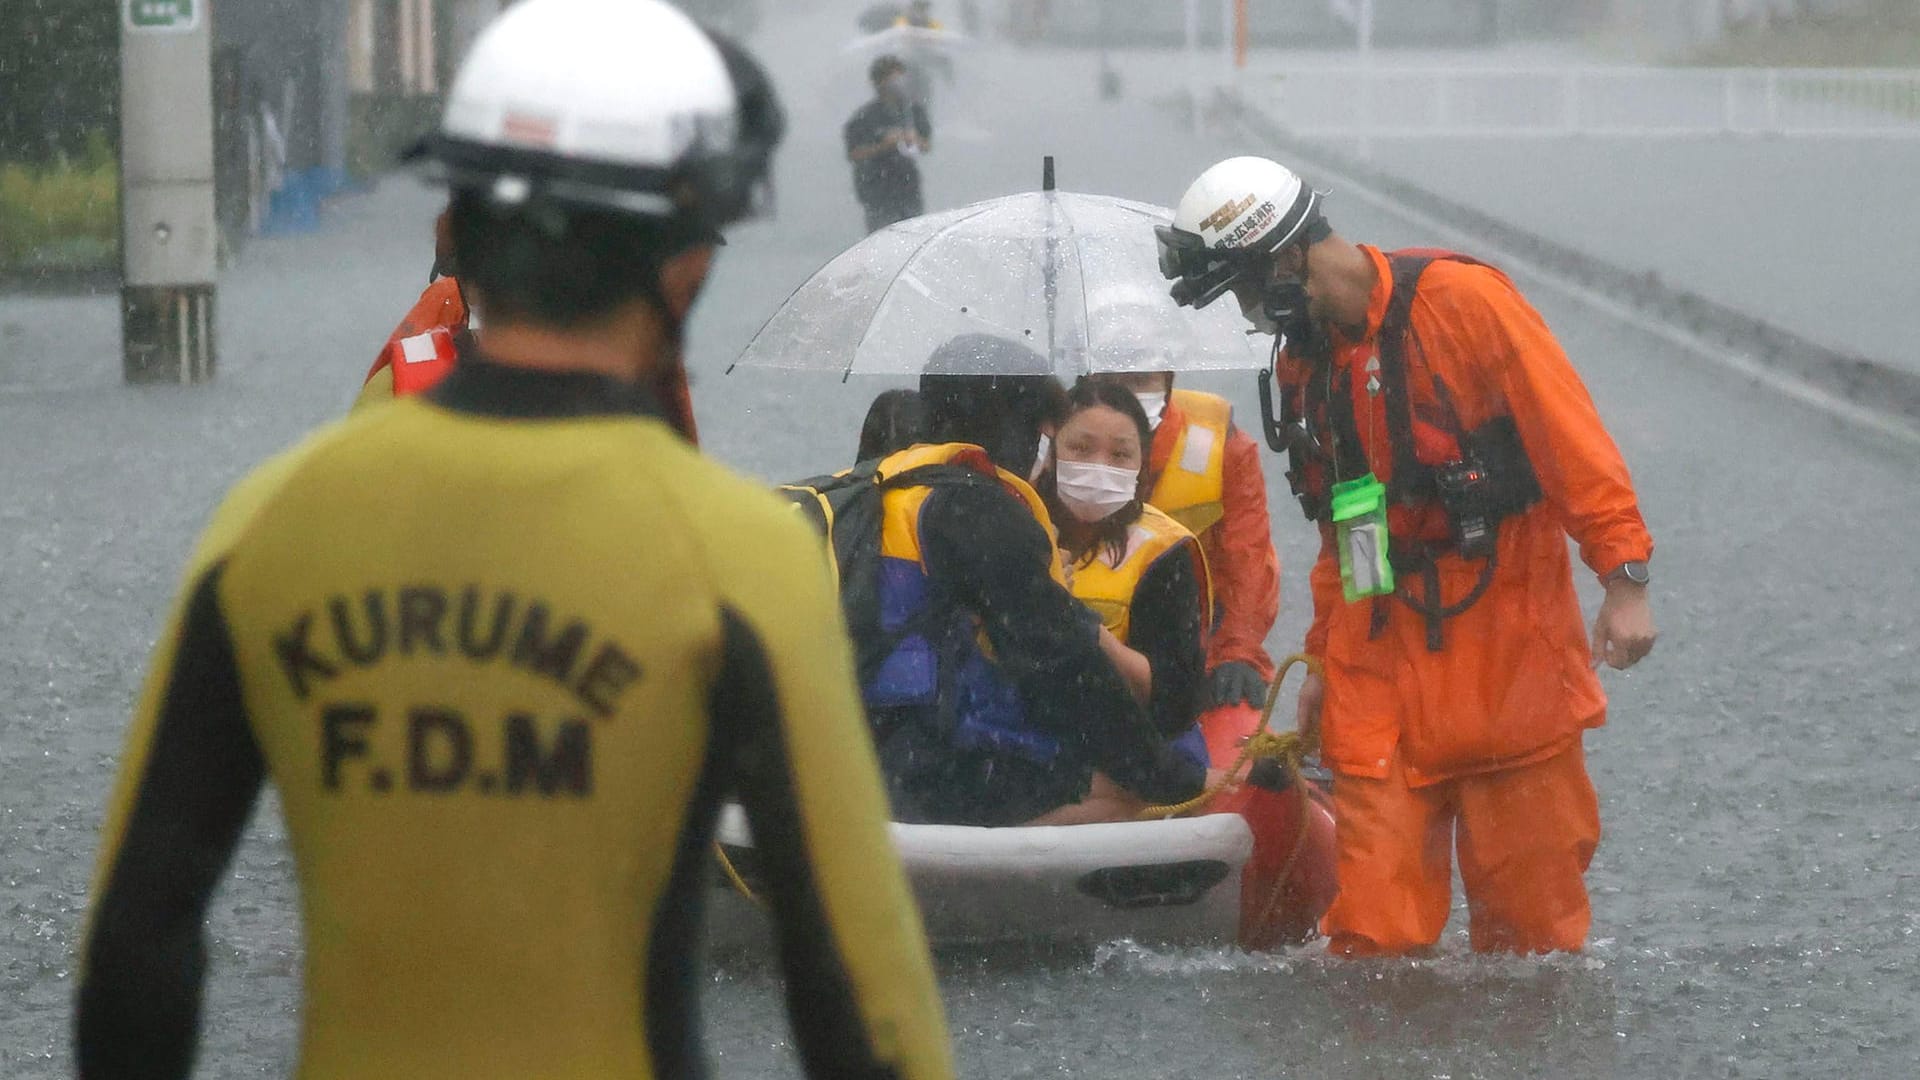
1525,836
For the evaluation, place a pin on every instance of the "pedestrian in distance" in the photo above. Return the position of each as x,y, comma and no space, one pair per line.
885,139
504,646
1445,447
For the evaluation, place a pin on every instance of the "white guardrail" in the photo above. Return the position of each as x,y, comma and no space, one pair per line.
1355,101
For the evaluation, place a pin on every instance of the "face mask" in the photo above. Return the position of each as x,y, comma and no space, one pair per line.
1040,459
1092,492
1154,405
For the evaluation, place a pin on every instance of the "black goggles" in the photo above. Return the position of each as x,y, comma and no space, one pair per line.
1200,274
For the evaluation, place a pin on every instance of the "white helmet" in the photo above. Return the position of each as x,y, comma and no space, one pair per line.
623,105
1240,208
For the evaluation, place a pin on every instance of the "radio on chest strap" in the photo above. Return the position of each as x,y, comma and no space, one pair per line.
1488,480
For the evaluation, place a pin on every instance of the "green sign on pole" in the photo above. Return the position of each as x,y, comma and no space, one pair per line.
163,16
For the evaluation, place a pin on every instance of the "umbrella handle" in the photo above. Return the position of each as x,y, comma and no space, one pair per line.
1046,173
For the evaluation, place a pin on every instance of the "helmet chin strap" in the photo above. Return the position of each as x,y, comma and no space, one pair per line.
1287,308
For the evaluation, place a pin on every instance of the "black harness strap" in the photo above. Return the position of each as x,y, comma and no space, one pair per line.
1349,455
1412,480
1495,447
1395,328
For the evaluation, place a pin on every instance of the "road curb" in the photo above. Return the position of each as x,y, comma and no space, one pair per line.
1864,392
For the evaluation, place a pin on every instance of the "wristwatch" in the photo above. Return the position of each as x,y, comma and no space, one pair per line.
1635,571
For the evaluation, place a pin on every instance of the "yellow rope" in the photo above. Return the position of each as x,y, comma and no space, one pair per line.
1287,746
739,883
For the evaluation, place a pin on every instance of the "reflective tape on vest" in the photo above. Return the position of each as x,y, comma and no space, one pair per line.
422,360
1192,486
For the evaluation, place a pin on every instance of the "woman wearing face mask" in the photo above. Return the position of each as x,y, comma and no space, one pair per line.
1138,569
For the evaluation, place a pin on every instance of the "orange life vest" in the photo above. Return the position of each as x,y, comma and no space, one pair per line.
1191,488
420,361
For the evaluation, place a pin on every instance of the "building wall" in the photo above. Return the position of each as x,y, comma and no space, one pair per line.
293,53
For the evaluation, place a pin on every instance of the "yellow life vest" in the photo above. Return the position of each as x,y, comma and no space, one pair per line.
987,710
900,525
1192,486
1109,589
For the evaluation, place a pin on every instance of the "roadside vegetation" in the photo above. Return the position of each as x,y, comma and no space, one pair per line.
59,184
1883,34
62,215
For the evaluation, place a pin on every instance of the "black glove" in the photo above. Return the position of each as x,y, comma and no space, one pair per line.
1236,682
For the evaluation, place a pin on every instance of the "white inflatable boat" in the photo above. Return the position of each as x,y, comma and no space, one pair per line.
1182,881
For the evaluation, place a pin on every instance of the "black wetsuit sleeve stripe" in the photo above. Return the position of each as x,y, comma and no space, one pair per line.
139,999
832,1038
673,1023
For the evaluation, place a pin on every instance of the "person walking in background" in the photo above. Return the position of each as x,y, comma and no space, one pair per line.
885,139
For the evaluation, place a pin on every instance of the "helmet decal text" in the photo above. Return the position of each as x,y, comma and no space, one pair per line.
1220,218
1252,227
529,130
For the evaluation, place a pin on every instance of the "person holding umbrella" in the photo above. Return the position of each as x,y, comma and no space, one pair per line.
884,141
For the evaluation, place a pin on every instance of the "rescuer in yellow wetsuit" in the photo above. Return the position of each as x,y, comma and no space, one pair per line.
503,692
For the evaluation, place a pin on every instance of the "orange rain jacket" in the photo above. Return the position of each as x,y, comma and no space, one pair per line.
442,307
1514,683
1238,547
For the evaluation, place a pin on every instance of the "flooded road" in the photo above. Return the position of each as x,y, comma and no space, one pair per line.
1757,902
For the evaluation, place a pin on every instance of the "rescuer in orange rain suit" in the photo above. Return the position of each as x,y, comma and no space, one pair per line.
427,343
1421,386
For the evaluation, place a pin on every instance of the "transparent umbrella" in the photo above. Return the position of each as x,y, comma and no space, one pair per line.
899,39
1074,277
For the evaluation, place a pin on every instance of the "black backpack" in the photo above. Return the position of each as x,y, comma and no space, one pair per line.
846,508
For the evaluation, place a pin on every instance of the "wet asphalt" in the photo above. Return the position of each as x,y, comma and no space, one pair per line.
1757,907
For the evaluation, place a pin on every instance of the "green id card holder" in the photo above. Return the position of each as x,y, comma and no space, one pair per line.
1360,532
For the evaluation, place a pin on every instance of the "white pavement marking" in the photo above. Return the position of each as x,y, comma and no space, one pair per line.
1777,381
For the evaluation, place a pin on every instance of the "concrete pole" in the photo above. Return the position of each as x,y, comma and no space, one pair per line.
169,238
1239,35
1193,61
1226,35
336,108
1363,28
